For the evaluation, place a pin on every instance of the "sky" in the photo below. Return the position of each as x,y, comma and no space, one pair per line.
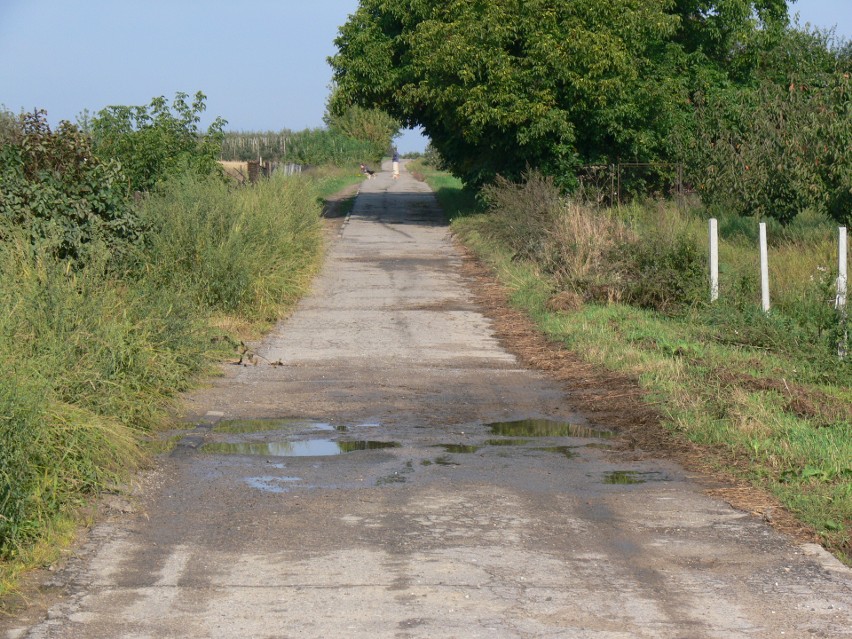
262,65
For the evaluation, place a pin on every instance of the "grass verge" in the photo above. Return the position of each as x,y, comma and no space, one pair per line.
95,355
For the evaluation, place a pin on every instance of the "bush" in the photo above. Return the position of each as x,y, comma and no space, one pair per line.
367,125
157,142
522,216
662,271
93,355
309,147
593,253
784,145
54,188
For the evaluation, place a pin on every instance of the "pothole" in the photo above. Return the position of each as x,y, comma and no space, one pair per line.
461,449
545,428
243,426
306,448
633,477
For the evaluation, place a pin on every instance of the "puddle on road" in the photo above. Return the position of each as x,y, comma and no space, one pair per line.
446,460
545,428
461,449
271,484
633,477
307,448
507,442
162,446
567,451
242,426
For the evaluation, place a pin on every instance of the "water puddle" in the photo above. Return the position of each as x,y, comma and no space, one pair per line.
632,477
162,446
461,449
242,426
307,448
271,484
599,446
446,460
507,442
396,478
545,428
567,451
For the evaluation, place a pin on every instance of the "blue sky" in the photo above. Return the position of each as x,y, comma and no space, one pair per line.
262,64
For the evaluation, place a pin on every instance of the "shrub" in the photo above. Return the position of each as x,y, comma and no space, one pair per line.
592,252
310,146
372,126
661,271
156,142
522,216
59,192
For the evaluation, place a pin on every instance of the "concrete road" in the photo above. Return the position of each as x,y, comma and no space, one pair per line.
389,470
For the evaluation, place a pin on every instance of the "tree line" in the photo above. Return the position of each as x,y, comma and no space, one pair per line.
756,110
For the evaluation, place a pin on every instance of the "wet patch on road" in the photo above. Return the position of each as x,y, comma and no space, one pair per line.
269,484
627,477
507,442
243,426
459,449
306,448
545,428
565,451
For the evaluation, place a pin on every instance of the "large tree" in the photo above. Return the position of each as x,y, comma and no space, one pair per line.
500,85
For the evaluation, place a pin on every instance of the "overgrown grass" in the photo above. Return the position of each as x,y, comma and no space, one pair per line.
764,396
94,355
246,251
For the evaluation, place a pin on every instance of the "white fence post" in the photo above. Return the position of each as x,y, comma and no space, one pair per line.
714,260
842,289
764,269
842,271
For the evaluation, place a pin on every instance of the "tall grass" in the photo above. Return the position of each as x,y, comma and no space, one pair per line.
90,361
94,355
248,251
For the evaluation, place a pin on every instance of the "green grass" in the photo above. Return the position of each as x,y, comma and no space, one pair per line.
332,180
455,200
777,417
95,356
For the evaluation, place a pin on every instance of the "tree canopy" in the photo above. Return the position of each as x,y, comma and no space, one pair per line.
756,111
501,85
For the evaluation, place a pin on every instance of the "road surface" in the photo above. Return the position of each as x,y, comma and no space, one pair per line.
388,469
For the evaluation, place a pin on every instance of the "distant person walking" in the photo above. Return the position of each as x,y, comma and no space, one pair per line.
395,164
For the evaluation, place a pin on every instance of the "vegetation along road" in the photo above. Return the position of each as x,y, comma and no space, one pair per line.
386,468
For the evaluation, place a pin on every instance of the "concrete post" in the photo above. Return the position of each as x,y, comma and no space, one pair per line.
764,269
714,260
